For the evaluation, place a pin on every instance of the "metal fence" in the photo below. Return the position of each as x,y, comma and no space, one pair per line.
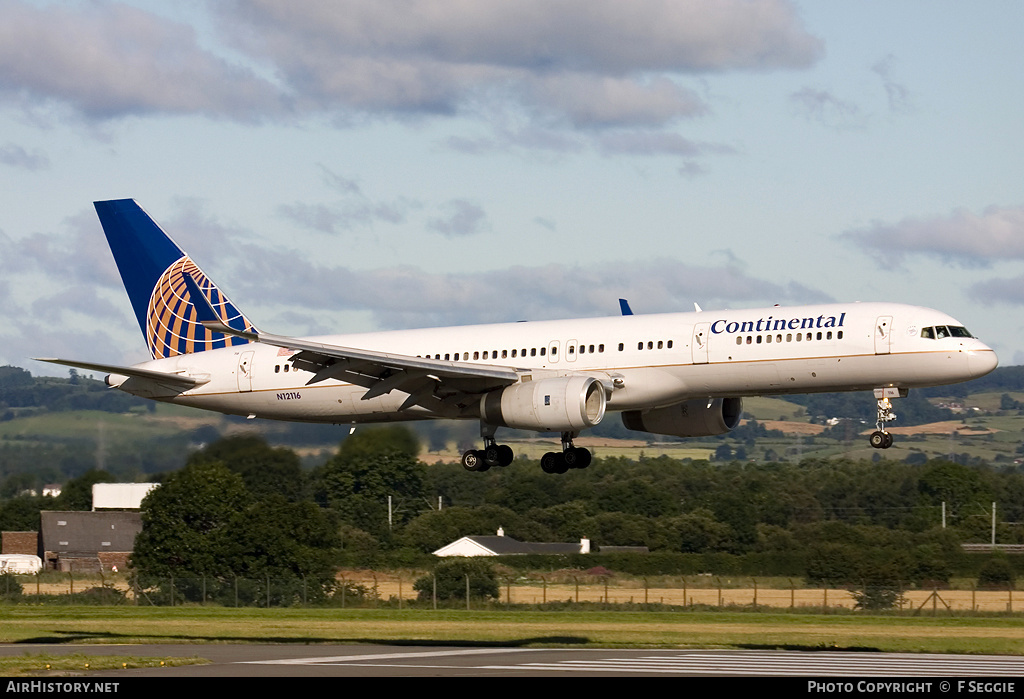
375,589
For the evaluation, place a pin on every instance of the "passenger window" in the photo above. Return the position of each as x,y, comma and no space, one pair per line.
739,340
277,369
513,353
543,350
839,335
600,348
286,368
758,339
819,334
640,345
659,344
828,335
789,337
476,355
749,339
650,345
768,338
504,354
621,347
572,349
670,344
533,351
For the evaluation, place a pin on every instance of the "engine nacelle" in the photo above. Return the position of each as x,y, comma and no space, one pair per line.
563,404
693,418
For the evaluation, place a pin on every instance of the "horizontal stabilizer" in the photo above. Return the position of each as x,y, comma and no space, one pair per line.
174,380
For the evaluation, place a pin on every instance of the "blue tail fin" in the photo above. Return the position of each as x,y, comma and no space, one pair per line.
153,270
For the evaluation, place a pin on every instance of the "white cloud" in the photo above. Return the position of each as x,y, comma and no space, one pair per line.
400,297
108,60
14,155
590,62
827,109
962,238
463,218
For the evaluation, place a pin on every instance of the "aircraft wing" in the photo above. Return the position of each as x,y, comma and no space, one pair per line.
177,382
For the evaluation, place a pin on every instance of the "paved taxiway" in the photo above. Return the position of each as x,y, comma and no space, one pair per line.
435,661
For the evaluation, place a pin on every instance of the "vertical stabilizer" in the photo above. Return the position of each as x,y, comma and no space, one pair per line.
153,270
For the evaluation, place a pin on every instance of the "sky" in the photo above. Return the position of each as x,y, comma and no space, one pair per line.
352,166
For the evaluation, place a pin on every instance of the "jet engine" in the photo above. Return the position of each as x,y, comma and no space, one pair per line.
563,404
692,418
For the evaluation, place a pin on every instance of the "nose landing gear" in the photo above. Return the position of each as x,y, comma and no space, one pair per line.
880,438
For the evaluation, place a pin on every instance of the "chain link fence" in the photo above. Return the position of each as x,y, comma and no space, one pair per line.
369,588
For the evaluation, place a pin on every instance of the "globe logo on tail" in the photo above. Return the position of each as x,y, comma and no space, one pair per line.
172,324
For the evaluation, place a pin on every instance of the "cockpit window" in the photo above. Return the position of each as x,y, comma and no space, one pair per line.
940,331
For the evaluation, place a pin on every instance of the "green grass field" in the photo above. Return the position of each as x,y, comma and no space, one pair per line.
640,629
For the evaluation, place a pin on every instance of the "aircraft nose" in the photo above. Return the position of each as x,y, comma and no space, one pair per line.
981,361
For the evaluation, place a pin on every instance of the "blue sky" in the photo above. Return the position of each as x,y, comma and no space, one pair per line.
352,166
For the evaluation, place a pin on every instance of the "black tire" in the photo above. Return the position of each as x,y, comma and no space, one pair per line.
471,460
888,440
505,455
583,457
877,439
492,455
548,462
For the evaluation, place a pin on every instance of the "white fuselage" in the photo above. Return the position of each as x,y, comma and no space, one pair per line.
651,360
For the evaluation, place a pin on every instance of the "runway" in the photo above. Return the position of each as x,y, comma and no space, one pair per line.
253,661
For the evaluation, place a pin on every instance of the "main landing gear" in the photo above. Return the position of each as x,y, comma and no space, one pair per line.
493,454
571,456
880,439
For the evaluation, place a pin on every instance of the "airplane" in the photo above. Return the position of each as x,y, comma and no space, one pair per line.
678,374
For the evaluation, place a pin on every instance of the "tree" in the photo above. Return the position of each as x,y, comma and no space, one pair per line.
77,493
451,574
183,518
357,481
265,470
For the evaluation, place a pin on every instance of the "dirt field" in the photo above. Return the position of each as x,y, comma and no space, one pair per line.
956,600
389,586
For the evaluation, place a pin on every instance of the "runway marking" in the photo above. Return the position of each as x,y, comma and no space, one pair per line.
833,664
736,663
340,659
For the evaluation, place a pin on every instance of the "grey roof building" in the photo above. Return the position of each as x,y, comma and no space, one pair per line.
87,541
501,545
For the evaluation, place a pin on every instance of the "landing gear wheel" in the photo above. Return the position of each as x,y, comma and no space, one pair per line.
505,455
583,457
881,440
472,460
553,462
491,455
577,457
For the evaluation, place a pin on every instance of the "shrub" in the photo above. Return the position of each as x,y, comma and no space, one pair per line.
451,580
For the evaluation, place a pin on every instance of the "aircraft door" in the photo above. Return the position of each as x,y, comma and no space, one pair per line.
553,352
245,371
701,335
883,333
